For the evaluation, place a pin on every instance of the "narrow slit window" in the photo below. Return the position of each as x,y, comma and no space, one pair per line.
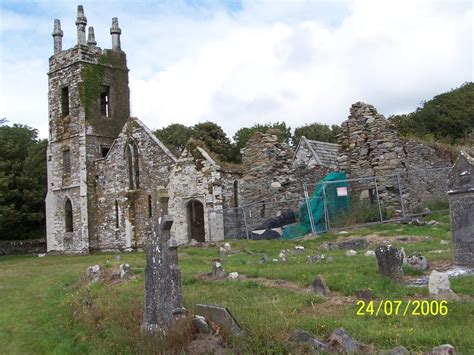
67,161
236,193
68,216
105,101
131,155
116,214
65,101
150,207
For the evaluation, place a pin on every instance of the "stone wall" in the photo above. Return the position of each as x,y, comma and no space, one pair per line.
371,146
198,177
28,246
269,177
119,219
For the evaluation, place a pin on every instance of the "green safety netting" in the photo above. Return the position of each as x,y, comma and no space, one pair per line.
326,190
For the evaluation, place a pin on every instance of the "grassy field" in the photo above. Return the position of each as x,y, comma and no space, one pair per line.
46,308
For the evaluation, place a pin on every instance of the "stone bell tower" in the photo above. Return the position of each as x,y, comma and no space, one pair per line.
88,104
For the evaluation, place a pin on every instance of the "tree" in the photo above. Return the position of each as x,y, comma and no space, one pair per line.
22,182
242,136
318,132
448,117
214,137
174,136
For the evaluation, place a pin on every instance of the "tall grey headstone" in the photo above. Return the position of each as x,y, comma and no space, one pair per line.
163,293
461,205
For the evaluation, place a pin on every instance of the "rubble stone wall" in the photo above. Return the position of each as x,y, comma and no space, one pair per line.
371,146
114,196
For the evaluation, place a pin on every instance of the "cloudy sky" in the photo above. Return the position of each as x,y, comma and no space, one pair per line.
243,62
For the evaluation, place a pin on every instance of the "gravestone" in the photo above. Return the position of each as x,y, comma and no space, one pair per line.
163,294
461,205
319,286
390,261
220,316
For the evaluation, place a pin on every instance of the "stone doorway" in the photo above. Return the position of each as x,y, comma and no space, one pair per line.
195,216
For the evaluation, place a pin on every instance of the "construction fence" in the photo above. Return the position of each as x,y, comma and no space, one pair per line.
336,203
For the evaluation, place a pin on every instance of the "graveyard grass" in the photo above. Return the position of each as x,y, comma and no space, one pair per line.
48,308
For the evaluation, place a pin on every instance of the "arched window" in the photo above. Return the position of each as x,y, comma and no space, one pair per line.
131,155
68,216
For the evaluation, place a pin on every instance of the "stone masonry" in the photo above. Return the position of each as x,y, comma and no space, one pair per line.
371,146
198,185
461,203
103,166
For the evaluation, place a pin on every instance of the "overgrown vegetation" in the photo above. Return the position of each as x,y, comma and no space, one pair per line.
47,308
22,182
448,117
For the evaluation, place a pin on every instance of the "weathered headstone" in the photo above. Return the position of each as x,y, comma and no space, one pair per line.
461,205
125,271
390,261
440,287
319,286
220,316
418,262
93,273
217,269
163,294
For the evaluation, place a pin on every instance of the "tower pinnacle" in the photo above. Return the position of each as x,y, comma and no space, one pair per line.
81,23
115,31
57,36
91,42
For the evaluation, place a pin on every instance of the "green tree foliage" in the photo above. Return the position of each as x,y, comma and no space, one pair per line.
317,132
448,117
23,182
174,136
242,136
214,137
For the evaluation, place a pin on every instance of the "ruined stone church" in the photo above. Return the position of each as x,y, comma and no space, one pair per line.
103,165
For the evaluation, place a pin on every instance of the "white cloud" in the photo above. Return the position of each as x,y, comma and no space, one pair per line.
300,62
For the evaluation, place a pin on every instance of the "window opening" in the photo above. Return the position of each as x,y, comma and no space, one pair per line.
65,101
68,216
116,214
105,101
67,161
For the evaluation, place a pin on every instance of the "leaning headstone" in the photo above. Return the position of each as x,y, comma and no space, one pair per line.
222,252
163,293
319,286
390,261
461,205
302,336
343,342
220,316
440,287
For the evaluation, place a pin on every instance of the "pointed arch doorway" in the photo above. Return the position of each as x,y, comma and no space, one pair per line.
195,217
